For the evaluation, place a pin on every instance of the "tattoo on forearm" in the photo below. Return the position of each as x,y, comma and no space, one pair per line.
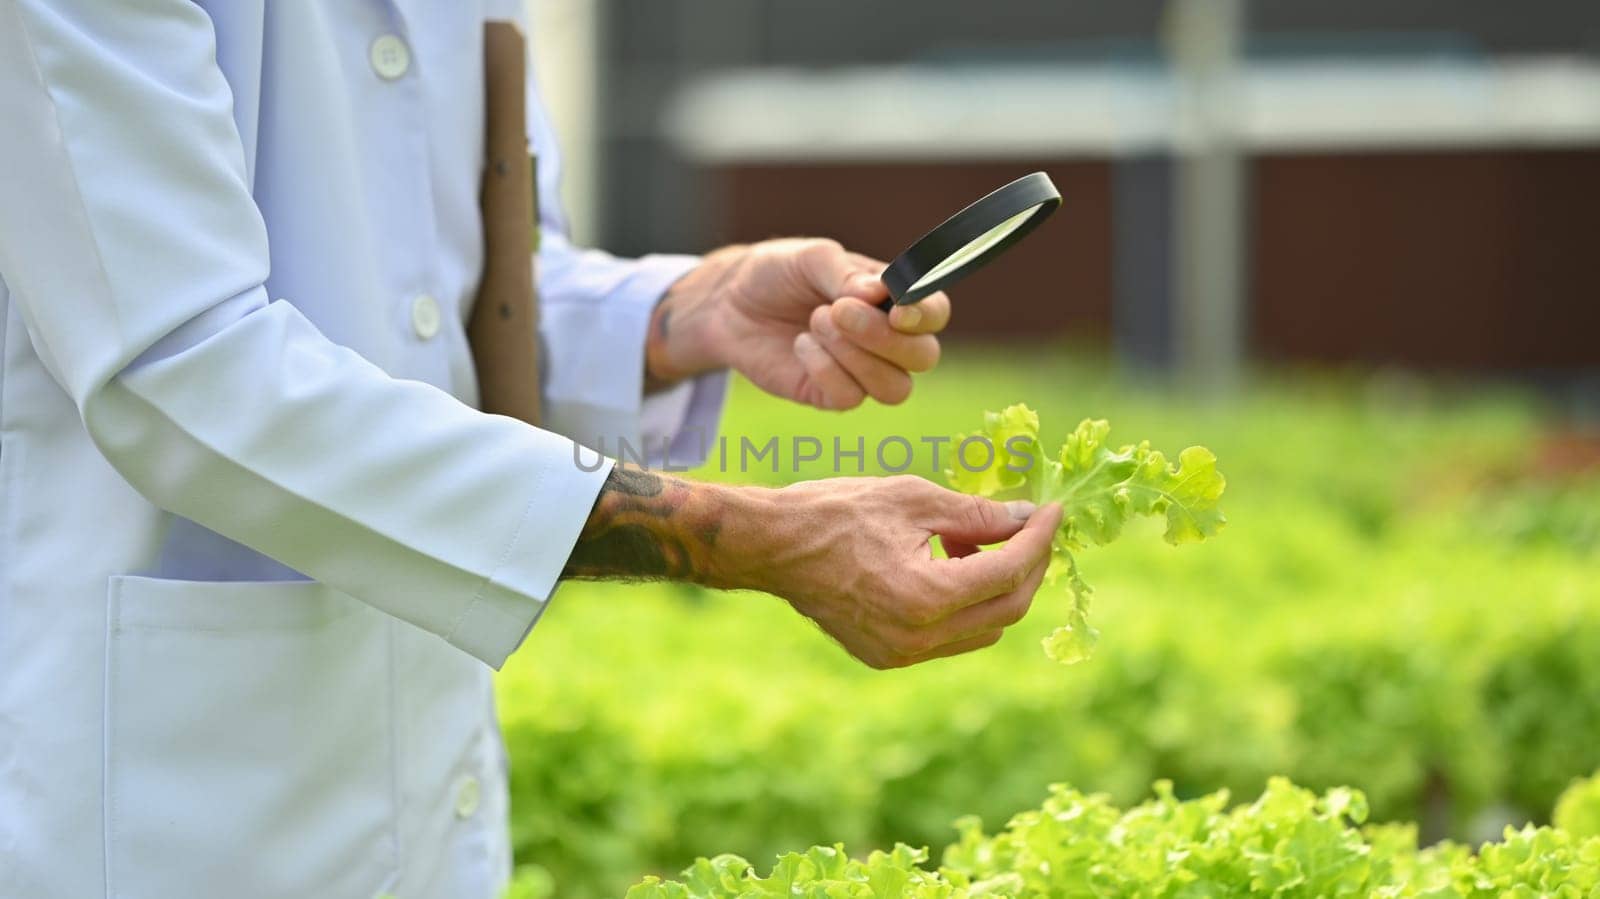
644,527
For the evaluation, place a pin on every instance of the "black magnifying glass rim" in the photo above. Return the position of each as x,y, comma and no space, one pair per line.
1035,191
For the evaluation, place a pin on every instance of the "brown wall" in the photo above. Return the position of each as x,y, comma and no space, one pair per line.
1449,260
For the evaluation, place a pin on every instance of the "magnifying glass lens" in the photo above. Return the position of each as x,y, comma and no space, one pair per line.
970,239
973,250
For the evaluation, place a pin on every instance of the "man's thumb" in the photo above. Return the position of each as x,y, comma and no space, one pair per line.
978,521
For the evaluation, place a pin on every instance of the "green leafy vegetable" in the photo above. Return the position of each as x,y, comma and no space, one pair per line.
1291,843
1099,488
821,872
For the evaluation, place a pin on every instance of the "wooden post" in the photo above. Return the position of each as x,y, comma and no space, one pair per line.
504,328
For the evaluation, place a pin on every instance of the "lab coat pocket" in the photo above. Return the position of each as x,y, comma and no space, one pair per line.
248,741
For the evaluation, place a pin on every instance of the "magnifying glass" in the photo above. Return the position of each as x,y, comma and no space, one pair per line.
970,239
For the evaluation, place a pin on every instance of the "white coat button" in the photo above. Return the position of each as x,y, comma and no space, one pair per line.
425,316
467,795
390,57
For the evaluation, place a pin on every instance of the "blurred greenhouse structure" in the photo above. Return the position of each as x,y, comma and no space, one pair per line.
1396,183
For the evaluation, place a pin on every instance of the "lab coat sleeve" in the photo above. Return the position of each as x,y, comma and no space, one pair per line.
129,239
595,312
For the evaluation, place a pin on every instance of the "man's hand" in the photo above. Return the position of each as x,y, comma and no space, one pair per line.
853,554
797,318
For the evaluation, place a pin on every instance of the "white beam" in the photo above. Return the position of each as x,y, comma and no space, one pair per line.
1209,196
566,56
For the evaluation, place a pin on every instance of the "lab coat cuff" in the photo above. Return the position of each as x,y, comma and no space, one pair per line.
510,602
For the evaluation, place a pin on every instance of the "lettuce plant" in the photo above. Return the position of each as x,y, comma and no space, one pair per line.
1100,488
1291,843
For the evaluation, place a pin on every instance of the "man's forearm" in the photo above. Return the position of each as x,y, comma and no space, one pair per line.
650,527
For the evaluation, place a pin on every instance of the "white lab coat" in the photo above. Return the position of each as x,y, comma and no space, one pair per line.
257,550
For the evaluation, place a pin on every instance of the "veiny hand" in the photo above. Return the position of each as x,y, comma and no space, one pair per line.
796,317
854,555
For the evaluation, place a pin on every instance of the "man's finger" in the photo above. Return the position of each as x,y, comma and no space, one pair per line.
829,385
833,272
988,574
882,380
867,282
869,329
867,263
997,613
969,519
958,648
929,315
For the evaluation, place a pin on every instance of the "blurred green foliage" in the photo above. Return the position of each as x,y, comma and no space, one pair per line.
1578,808
1394,606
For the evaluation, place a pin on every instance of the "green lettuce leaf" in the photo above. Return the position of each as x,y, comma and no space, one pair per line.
1099,488
1000,458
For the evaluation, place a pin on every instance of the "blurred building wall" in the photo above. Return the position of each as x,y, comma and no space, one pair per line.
649,49
1464,247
